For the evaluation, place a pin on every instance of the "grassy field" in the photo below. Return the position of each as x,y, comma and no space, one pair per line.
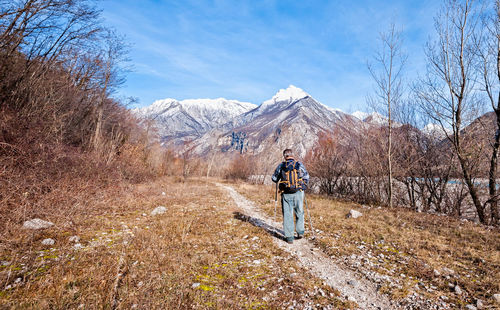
424,253
197,255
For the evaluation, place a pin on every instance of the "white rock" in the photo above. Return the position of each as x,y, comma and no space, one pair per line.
354,214
437,273
458,290
78,246
470,307
75,239
158,210
163,193
48,241
447,271
5,263
479,304
195,285
496,297
37,224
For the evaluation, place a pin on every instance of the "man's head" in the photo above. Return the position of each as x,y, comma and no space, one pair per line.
287,153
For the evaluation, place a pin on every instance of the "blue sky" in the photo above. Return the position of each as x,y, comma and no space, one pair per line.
248,50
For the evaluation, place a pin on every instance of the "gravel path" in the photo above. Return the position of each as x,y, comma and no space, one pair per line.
348,283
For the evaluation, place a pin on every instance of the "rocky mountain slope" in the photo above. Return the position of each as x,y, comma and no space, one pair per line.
291,118
186,120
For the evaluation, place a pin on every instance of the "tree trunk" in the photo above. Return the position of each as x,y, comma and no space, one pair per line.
472,189
492,173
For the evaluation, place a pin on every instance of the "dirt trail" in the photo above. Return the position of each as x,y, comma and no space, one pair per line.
347,282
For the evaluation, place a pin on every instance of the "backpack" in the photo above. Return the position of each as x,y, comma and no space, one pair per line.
291,181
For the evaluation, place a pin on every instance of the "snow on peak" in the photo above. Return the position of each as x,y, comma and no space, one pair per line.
436,130
216,104
292,93
360,115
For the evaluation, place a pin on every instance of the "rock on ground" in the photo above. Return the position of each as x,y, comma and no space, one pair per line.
158,210
37,224
48,241
354,214
496,297
74,239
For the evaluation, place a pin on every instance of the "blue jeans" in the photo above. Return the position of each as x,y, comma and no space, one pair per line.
293,204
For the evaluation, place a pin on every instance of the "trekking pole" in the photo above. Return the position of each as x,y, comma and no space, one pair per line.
275,200
310,221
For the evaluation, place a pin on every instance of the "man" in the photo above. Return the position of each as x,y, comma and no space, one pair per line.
293,179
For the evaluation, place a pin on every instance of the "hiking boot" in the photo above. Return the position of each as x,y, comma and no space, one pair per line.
300,236
289,240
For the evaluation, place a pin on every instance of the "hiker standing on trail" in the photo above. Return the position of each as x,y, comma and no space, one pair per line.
292,178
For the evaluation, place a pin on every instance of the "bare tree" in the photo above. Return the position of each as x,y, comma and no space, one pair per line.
387,74
488,51
448,93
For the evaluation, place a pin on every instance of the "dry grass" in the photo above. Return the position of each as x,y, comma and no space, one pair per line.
406,246
197,255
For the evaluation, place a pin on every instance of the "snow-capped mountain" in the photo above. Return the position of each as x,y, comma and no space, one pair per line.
291,118
190,119
436,131
374,119
360,115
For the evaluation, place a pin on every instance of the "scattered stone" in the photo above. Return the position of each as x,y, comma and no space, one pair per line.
163,193
48,241
37,224
479,304
74,239
18,280
195,285
256,262
444,297
255,238
354,214
350,298
470,307
78,246
437,273
140,284
322,292
458,290
496,298
245,237
352,282
447,271
5,263
158,210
